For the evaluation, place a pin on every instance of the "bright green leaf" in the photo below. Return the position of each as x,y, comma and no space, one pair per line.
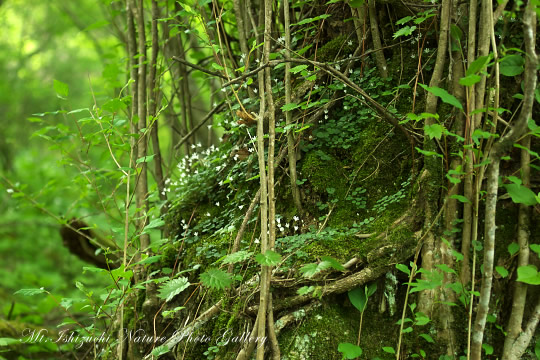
269,258
216,279
349,351
171,288
511,65
444,95
61,89
528,274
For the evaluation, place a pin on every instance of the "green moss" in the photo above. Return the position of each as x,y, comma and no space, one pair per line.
336,48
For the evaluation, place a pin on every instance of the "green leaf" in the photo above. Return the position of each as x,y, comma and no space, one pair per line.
535,248
171,288
428,153
488,349
30,292
298,68
8,342
444,95
155,224
237,257
313,19
304,290
502,271
477,65
521,194
349,351
114,105
309,270
61,89
358,298
403,268
333,263
145,159
456,32
389,349
404,31
404,20
218,67
511,65
160,350
460,198
216,279
150,260
434,131
269,258
528,274
289,107
428,338
357,3
470,80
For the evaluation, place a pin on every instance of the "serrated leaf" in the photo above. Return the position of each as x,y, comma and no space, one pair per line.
160,350
309,270
434,131
61,89
444,95
528,274
404,31
155,224
349,351
269,258
30,292
168,290
333,263
511,65
304,290
404,20
150,260
237,257
216,279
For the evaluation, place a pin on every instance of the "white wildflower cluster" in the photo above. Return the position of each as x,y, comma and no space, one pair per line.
286,226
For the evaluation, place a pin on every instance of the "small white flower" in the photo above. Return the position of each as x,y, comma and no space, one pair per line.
338,67
255,90
349,42
223,90
296,218
350,71
281,228
235,157
196,233
316,87
278,220
167,181
193,146
326,117
287,225
209,127
217,203
250,150
240,207
295,228
207,214
256,241
281,40
199,144
9,191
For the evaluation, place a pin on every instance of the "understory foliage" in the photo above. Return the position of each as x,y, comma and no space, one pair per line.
304,180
